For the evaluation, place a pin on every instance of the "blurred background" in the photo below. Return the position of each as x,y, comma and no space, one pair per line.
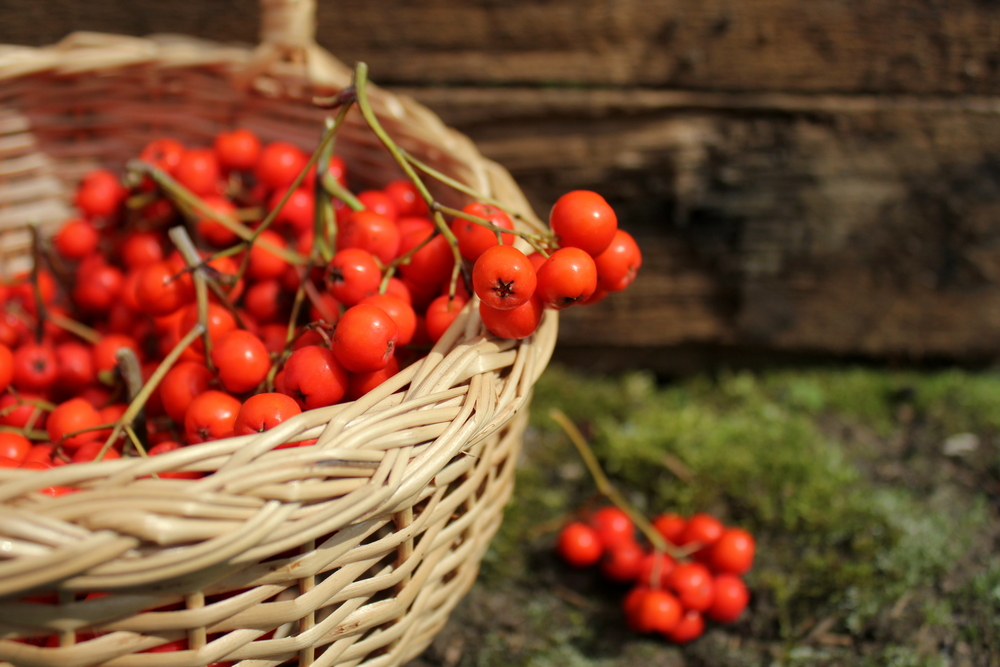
808,180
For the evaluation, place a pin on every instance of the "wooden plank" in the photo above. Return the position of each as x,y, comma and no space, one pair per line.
736,45
851,226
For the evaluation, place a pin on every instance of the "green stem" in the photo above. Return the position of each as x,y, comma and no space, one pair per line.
191,201
185,246
609,491
139,402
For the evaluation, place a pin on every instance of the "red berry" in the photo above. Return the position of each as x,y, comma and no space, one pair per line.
579,545
76,239
670,526
279,164
14,446
731,598
622,561
693,584
618,264
237,150
613,526
733,552
702,528
515,323
353,274
314,377
655,569
210,416
35,367
582,219
566,278
690,627
503,277
199,171
74,415
262,412
365,338
656,611
473,238
241,359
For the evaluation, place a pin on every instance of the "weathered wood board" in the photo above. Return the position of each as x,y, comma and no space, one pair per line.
819,177
919,46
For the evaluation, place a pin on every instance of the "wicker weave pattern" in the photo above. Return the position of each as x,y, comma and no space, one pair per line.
350,551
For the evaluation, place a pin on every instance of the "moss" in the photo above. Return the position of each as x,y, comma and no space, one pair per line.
780,454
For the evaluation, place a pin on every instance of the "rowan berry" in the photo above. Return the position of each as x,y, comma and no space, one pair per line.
35,367
515,323
198,170
100,193
237,150
503,278
371,231
262,412
566,278
279,164
670,526
210,229
6,367
181,385
365,338
406,197
401,313
693,584
314,377
14,446
656,611
441,312
579,545
690,627
297,213
474,238
241,359
733,552
618,265
69,417
622,561
76,239
613,526
730,599
583,219
353,274
210,416
164,153
379,202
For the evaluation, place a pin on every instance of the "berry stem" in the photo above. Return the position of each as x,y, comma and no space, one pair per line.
131,372
74,327
324,215
190,201
139,402
608,490
190,254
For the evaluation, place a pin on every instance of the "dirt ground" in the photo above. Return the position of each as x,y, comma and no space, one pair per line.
873,495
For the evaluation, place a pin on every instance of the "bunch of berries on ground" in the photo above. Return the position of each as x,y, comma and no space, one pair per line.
247,290
671,596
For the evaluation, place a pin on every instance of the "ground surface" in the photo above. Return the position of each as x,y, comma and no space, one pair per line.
874,496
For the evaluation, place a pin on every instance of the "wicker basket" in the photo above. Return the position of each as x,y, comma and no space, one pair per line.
350,551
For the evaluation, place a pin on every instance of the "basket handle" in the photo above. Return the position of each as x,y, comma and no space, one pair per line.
288,34
288,24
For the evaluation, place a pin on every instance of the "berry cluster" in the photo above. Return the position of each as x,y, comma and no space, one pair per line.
594,258
246,287
671,596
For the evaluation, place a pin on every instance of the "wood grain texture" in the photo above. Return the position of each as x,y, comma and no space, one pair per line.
848,225
917,46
